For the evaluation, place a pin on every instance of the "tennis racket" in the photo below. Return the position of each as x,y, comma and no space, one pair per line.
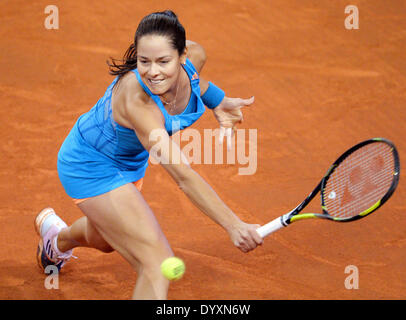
358,183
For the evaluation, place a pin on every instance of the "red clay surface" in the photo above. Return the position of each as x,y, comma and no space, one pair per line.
319,89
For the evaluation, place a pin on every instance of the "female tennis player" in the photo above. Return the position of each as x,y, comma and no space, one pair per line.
103,160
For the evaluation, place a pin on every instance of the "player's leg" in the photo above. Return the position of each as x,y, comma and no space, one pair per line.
57,239
125,221
82,234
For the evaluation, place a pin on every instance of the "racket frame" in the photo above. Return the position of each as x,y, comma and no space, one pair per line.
380,202
293,215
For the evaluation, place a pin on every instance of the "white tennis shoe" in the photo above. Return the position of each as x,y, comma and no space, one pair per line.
48,225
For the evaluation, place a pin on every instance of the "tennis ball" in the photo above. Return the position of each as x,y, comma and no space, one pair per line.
173,268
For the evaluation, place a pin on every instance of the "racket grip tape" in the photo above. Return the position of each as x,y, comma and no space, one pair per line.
270,227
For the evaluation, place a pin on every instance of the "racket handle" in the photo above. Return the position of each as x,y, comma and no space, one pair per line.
270,227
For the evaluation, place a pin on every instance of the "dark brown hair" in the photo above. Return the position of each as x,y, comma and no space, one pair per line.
163,23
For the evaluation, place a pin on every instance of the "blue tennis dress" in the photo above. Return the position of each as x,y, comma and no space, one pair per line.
99,155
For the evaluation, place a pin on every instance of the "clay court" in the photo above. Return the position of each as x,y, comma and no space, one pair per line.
319,89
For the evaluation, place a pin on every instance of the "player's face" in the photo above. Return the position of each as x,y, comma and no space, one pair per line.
158,63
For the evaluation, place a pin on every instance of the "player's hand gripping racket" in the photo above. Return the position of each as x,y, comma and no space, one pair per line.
358,183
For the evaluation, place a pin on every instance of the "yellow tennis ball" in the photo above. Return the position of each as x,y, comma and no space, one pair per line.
173,268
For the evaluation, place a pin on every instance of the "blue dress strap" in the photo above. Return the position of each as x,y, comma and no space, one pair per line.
153,96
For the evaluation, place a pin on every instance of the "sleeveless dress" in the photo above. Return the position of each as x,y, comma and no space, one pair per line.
99,155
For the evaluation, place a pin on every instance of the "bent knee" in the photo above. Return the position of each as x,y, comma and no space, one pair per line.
106,248
95,239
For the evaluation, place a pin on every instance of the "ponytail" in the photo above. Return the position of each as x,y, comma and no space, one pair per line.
121,67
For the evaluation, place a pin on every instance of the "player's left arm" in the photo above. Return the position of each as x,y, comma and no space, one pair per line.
226,110
196,54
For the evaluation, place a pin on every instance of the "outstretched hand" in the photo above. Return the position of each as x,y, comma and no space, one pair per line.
228,114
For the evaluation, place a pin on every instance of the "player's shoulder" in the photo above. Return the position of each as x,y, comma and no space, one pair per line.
131,96
129,99
131,89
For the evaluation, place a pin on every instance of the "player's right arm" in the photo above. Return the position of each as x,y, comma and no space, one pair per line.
138,112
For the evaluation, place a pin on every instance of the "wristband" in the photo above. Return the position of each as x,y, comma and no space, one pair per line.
213,96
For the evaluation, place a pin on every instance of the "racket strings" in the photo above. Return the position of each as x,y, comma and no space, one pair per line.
359,181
